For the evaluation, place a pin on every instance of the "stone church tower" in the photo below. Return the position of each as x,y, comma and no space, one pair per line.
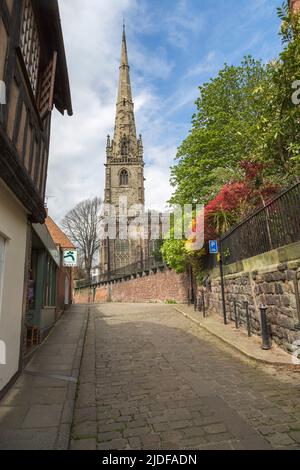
124,174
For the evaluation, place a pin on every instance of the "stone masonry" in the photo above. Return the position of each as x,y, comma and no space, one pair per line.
261,282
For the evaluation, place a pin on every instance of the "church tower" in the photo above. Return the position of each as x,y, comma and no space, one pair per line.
124,171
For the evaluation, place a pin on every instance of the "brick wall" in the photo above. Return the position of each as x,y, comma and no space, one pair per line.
155,287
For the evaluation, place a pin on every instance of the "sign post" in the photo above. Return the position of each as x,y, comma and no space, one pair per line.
214,249
70,258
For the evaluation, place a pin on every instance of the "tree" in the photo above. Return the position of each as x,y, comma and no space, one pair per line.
82,225
287,72
224,131
245,113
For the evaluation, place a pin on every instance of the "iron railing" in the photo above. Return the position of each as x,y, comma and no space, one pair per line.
129,270
272,226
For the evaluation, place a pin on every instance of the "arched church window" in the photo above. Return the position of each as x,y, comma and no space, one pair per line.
122,253
124,178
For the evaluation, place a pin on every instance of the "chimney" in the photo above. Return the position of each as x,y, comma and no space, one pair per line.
295,5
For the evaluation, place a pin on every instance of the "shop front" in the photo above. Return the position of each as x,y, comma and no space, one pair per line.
42,288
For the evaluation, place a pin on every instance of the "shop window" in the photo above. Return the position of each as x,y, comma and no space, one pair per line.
32,279
50,284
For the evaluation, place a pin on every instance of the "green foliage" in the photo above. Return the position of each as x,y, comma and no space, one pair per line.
156,251
245,114
285,73
175,251
174,254
224,131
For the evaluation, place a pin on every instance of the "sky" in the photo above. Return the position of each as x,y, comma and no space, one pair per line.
174,46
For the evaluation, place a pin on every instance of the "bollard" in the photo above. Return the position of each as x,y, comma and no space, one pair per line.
203,303
236,316
248,319
265,331
195,304
223,288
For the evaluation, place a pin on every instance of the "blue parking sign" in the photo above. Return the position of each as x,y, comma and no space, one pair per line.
213,247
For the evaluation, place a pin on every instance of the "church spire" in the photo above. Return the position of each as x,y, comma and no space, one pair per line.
125,141
124,78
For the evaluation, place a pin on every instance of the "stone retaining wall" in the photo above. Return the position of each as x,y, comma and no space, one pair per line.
263,280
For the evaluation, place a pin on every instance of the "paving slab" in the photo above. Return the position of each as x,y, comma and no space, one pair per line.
37,412
238,338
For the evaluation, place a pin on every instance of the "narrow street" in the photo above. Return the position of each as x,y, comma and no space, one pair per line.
151,379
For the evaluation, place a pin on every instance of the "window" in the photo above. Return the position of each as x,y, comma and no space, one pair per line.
122,246
29,44
124,178
122,253
50,284
2,253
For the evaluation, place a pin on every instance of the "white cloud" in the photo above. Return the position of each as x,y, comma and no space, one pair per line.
206,65
77,152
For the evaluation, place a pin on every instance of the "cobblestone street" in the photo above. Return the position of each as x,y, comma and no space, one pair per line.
151,379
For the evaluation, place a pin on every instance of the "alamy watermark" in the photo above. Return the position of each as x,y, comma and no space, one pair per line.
296,352
2,92
133,222
2,353
296,94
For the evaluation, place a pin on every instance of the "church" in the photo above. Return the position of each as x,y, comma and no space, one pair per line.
124,175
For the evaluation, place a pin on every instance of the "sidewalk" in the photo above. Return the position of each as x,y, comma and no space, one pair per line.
238,338
37,411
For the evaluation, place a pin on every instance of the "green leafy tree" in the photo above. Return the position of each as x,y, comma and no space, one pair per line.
245,113
286,129
224,131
